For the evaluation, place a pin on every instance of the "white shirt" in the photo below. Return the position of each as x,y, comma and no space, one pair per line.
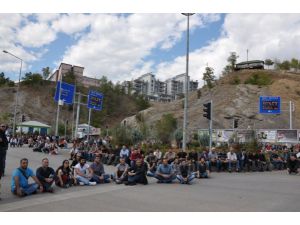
83,169
158,154
231,156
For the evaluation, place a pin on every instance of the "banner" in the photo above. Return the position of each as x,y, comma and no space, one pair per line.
287,136
224,135
267,135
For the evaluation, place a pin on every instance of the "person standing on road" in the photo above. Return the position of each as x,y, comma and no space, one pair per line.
3,149
19,180
46,175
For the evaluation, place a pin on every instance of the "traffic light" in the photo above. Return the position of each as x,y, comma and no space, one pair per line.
23,118
207,110
235,123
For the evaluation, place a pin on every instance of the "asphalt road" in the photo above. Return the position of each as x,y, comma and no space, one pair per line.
254,192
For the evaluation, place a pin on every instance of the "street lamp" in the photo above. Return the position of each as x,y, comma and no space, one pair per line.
186,82
16,100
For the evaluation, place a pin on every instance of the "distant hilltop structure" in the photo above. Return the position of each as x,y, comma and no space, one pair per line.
65,68
157,90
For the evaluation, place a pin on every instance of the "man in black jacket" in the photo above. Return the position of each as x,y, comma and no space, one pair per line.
292,164
46,175
137,173
3,148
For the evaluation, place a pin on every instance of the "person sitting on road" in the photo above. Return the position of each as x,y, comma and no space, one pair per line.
137,173
64,177
185,175
261,162
134,156
81,173
47,146
181,155
46,175
97,171
121,173
152,164
124,153
53,149
214,160
293,164
232,159
76,160
165,172
170,156
202,169
252,163
19,180
158,154
276,160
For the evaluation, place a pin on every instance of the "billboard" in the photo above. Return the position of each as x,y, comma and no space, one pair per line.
224,135
95,100
287,136
269,105
66,94
267,135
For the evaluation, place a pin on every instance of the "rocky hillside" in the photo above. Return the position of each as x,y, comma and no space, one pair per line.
36,102
234,99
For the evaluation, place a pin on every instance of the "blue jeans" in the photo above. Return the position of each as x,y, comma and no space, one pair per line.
241,164
189,178
203,175
84,180
30,189
235,162
150,174
217,163
98,181
165,180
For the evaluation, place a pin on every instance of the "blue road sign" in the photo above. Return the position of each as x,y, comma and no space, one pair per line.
95,100
269,105
67,92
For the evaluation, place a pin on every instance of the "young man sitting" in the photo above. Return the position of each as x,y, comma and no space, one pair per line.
292,164
232,159
121,173
137,173
185,175
81,173
46,176
202,170
19,181
165,172
97,171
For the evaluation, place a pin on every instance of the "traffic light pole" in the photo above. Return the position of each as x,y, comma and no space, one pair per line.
291,116
77,116
89,122
210,126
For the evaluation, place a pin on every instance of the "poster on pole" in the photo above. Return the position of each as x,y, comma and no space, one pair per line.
95,100
67,92
287,136
267,135
224,135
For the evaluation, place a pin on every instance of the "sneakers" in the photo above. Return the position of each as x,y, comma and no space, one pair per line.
81,183
92,183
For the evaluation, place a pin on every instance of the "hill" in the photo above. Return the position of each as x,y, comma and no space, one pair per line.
36,102
232,98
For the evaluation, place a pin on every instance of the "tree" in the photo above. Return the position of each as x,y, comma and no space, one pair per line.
46,72
165,128
208,76
232,60
178,134
5,80
285,65
226,70
294,64
32,78
269,62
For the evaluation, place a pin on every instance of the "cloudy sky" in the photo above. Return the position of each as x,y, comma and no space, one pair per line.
124,46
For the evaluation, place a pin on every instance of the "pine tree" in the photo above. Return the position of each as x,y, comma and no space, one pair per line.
208,76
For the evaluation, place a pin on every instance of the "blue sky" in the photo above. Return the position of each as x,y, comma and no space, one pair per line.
124,46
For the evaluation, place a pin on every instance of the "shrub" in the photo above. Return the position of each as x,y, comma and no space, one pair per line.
235,81
259,78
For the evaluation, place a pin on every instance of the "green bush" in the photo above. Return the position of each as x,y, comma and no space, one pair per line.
259,78
235,81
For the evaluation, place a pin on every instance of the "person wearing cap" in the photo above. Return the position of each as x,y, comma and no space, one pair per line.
3,149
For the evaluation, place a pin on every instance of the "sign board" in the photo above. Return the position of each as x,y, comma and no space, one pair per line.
267,135
95,100
224,135
287,136
67,92
269,105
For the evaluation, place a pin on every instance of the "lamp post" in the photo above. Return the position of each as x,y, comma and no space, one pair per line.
18,89
184,133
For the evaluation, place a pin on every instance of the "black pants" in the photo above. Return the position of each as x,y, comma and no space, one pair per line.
2,162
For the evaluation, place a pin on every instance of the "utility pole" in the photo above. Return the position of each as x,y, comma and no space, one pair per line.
58,102
185,119
77,115
89,128
247,54
291,116
210,126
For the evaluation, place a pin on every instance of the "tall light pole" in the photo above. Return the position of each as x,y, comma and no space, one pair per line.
17,96
184,133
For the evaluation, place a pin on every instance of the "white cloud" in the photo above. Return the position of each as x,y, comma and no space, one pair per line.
265,35
117,45
36,35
